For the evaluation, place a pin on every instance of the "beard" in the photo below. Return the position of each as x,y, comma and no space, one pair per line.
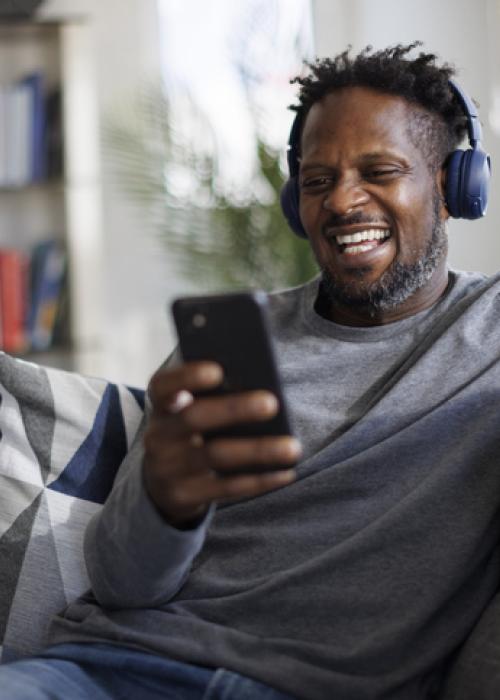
398,283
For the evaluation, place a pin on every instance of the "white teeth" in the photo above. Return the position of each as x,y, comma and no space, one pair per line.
353,249
373,234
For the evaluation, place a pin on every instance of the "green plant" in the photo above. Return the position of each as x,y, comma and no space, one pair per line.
222,244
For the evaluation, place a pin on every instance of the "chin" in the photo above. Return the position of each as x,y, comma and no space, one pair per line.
395,285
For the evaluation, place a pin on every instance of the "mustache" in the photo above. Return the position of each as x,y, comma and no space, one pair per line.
337,221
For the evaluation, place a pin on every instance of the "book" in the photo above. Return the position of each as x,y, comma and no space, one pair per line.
25,117
54,134
36,126
18,135
13,299
48,263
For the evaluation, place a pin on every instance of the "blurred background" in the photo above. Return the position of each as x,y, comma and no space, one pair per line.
142,150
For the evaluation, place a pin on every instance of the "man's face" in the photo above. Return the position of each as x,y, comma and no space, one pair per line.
371,207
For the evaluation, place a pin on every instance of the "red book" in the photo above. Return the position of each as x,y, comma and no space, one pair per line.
13,299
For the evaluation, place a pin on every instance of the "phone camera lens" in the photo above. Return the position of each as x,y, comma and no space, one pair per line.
199,320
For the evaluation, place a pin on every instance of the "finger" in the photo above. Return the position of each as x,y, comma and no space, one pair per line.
249,485
179,401
221,411
191,493
190,377
225,455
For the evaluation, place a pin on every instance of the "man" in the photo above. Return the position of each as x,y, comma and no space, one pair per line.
358,572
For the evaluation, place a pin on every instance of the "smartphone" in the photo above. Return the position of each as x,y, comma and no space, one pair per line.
233,330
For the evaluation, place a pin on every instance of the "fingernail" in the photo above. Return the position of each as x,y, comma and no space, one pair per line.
210,373
285,476
265,403
180,401
290,449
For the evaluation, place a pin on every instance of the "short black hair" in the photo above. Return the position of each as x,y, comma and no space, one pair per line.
437,129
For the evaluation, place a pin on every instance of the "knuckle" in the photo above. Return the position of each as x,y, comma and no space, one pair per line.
214,451
263,451
238,407
191,417
222,452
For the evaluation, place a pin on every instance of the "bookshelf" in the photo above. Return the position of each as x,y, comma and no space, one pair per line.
41,189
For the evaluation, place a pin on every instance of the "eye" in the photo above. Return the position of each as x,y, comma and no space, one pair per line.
316,182
381,173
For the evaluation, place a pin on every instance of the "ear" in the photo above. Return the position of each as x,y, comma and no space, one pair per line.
441,187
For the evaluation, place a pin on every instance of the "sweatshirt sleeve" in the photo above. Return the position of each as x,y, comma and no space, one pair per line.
134,557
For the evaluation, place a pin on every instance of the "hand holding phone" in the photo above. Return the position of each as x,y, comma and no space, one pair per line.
233,439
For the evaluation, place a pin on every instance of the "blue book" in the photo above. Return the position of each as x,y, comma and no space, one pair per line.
18,126
37,126
25,125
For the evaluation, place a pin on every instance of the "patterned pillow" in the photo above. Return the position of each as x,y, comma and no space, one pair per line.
63,437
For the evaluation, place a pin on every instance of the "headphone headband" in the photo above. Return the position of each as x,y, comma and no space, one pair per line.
473,123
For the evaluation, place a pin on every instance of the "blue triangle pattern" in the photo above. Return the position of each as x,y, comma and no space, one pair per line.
91,471
139,395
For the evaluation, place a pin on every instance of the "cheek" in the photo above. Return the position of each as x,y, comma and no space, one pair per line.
311,212
325,252
415,217
322,249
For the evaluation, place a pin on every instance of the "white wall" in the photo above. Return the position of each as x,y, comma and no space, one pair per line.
461,32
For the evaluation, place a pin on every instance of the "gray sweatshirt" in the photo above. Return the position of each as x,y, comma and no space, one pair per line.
359,580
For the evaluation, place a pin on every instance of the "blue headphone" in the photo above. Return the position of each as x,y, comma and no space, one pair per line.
467,172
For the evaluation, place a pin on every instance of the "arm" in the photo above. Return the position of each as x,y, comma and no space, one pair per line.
140,547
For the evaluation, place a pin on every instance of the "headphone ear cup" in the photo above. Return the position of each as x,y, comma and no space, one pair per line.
467,183
289,199
475,183
453,183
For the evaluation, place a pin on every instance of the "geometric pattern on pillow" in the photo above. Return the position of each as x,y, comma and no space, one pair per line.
62,439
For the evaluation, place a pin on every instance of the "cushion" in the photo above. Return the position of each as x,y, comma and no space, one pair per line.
63,437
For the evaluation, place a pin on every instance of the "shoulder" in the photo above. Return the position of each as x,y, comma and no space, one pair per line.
473,286
287,304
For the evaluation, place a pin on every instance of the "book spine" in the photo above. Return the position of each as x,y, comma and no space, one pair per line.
23,158
13,299
47,277
37,127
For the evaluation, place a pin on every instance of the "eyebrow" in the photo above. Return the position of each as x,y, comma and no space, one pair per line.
378,155
364,158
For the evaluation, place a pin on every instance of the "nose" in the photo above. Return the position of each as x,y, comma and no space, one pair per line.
345,195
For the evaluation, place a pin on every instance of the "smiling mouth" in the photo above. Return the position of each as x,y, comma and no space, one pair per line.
362,241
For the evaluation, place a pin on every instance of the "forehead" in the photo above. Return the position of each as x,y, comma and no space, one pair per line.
358,119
